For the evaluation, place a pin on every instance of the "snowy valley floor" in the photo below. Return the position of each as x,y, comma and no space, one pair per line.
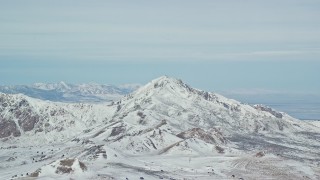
110,164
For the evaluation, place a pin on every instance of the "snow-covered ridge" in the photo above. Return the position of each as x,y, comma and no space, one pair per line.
22,116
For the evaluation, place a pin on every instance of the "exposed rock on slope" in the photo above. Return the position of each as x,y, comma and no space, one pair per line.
64,166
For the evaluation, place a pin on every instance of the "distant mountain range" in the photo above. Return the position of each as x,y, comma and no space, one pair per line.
65,92
302,106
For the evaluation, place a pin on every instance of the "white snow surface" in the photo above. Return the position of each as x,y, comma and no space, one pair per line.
314,122
165,129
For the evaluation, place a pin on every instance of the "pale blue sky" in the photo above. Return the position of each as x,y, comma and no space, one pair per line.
226,45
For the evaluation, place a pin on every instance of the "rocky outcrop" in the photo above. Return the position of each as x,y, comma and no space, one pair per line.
8,128
16,116
64,166
208,137
268,109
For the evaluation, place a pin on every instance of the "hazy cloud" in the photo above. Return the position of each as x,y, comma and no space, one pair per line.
160,30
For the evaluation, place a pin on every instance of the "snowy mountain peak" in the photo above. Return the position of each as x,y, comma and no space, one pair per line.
165,84
163,78
162,81
64,85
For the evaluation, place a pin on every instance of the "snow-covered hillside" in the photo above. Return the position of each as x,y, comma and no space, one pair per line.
165,129
65,92
314,122
29,119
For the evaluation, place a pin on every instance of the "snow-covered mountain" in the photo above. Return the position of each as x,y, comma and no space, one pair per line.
167,111
165,129
23,117
65,92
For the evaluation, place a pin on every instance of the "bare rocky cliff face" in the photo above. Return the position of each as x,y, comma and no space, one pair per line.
8,128
16,115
